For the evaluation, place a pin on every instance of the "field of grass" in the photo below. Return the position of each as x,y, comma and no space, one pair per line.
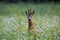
14,23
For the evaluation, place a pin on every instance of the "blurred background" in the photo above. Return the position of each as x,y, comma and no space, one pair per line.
14,22
30,0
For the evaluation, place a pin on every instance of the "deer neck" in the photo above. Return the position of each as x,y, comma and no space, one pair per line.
30,24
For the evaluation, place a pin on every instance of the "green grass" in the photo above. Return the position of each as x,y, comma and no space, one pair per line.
14,23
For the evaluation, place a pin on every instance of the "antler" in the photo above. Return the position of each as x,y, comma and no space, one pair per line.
29,11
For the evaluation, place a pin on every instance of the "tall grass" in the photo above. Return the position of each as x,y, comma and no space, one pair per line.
14,23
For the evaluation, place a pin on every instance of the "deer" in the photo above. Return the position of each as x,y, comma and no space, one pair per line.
30,14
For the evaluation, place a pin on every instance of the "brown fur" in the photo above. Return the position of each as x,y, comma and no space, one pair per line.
30,22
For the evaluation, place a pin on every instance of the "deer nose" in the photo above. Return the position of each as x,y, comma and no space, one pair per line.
29,17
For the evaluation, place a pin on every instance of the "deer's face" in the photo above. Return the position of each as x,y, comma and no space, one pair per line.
29,14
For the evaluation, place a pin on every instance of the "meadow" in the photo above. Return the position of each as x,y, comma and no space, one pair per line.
14,23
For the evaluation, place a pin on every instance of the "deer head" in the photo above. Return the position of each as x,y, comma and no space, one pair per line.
29,13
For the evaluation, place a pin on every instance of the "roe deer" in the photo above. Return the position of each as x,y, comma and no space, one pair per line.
30,14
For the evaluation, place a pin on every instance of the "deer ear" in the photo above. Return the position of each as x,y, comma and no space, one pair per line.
33,12
26,12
